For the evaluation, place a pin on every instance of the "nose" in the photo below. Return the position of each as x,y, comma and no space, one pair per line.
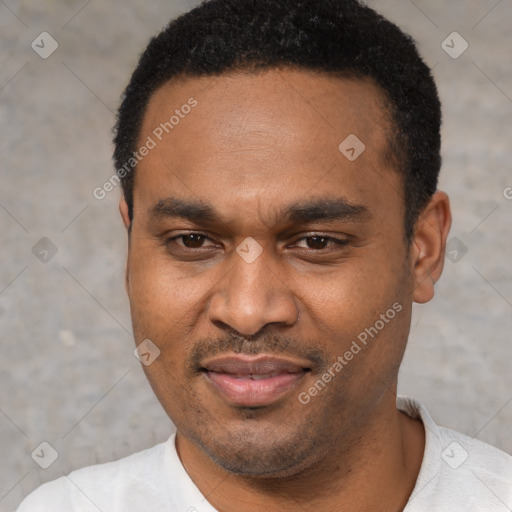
250,296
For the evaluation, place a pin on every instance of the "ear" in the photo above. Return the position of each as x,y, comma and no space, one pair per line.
123,210
429,245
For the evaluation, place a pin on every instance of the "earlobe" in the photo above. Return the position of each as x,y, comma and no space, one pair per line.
429,245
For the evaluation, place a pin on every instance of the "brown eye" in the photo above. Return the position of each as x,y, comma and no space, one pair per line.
320,242
192,240
191,246
317,242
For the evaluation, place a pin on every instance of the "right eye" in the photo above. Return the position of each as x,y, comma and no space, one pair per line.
189,240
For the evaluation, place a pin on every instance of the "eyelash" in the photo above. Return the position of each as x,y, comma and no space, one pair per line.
335,241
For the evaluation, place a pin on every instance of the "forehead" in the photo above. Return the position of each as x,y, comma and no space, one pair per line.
239,103
270,134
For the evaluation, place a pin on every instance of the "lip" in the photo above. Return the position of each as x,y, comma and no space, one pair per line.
253,381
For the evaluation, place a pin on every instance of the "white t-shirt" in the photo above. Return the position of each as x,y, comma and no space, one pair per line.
458,474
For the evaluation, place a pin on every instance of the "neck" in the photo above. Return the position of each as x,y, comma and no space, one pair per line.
376,468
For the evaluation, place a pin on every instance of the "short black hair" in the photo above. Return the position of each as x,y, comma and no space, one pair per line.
329,36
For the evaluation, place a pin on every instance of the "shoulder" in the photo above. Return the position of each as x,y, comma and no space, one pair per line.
98,487
474,474
458,472
459,451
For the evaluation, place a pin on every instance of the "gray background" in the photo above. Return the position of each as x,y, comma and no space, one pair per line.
68,375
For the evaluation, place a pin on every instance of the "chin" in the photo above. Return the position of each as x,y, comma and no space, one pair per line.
263,456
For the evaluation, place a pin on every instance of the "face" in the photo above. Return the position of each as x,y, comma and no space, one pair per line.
261,255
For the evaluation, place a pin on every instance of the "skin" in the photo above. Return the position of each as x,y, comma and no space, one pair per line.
255,144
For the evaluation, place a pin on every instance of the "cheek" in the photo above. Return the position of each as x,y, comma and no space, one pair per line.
166,303
164,307
357,292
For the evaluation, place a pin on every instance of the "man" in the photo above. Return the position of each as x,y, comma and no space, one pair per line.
279,162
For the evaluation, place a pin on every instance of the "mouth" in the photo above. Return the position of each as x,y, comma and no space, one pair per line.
253,381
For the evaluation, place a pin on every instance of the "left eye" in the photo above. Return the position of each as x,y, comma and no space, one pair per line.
319,242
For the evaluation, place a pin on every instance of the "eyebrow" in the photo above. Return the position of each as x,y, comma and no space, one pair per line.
322,209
